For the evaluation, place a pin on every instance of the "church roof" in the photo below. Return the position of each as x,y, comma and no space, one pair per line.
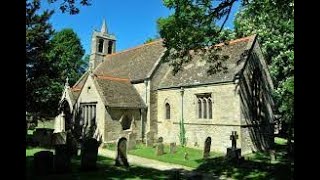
195,72
135,64
118,92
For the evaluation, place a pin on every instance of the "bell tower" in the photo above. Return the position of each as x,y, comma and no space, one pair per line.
102,44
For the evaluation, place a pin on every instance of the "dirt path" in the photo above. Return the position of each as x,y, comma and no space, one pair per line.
144,162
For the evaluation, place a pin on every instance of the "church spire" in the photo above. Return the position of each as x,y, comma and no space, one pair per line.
104,29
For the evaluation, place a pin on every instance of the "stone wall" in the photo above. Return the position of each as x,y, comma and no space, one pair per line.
113,127
256,104
91,95
225,116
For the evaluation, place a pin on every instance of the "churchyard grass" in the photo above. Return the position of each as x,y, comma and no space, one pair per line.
255,166
106,170
195,156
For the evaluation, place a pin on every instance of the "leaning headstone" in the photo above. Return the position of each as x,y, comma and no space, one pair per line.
207,146
121,159
43,162
62,159
89,154
173,148
159,149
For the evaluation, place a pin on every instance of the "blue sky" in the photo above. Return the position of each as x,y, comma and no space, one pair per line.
131,21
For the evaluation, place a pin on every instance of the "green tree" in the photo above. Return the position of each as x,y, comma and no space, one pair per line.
193,26
71,6
273,21
65,56
38,33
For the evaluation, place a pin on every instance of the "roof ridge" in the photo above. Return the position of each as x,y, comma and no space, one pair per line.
112,78
136,47
79,80
235,40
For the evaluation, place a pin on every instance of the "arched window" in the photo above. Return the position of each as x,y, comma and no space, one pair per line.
100,46
199,109
167,111
210,108
204,106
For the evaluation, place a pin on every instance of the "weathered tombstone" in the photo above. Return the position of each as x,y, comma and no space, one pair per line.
43,162
121,159
160,140
173,148
59,138
272,156
149,139
43,136
186,156
207,146
62,158
233,153
159,149
131,140
89,154
72,144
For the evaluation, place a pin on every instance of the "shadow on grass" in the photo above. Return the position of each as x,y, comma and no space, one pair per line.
105,170
257,166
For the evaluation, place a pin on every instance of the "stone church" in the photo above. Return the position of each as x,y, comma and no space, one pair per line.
133,94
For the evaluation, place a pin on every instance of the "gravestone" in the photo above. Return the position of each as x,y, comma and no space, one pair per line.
43,162
234,153
272,156
160,140
62,159
43,136
72,144
149,139
59,138
89,154
207,146
186,156
173,148
159,149
131,140
121,159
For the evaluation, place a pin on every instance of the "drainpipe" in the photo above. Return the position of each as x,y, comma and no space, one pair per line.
182,92
182,130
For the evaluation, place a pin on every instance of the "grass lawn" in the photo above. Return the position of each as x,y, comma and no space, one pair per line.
106,170
255,166
195,156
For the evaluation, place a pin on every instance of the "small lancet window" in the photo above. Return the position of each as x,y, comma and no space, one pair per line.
210,108
199,108
167,111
